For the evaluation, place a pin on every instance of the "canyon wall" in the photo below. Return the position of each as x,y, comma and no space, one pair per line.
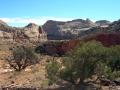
107,41
61,48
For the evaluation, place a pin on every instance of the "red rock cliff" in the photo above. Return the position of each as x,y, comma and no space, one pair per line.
107,40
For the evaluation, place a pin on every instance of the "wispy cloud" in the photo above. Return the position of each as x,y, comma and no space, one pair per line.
27,19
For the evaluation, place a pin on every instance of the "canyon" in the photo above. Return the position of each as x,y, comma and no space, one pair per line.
71,32
51,30
108,36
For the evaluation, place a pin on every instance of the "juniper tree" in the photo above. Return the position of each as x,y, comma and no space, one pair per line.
22,58
80,63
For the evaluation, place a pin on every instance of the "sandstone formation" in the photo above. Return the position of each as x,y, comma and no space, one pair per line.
61,48
107,35
107,40
103,23
29,33
67,30
34,32
113,28
2,23
10,34
115,24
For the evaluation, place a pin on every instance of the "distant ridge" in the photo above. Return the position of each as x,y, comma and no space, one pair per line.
29,33
58,30
108,36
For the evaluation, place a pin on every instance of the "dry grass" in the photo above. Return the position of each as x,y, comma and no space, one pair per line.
33,76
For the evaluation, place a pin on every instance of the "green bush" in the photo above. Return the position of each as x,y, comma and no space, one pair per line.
45,84
22,57
10,48
48,60
87,59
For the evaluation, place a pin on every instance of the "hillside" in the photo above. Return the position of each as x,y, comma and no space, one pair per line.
107,35
58,30
113,28
29,33
34,75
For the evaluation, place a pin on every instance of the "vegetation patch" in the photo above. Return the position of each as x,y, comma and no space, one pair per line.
88,59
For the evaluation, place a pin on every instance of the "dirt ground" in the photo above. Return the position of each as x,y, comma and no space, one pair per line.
33,76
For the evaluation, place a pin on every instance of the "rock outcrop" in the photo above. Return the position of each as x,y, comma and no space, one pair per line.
107,40
10,34
115,24
62,48
107,35
68,30
103,23
29,33
2,23
35,32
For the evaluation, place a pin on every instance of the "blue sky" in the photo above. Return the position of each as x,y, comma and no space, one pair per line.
21,12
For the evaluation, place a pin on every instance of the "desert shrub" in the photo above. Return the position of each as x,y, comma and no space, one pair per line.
34,69
53,71
10,48
22,57
45,84
79,64
48,60
37,51
16,73
88,59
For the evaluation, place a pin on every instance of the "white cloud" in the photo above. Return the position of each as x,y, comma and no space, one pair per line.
27,19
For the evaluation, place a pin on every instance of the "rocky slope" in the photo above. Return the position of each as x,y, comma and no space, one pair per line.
113,28
70,29
29,33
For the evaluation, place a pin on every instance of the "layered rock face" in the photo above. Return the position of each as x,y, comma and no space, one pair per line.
34,32
10,34
67,30
29,33
61,48
107,35
107,40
